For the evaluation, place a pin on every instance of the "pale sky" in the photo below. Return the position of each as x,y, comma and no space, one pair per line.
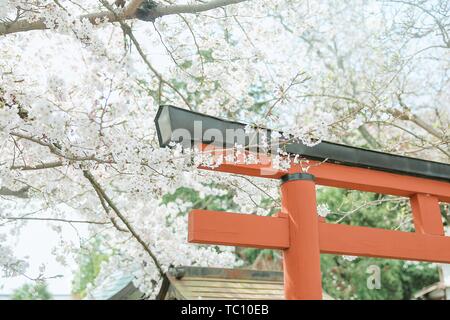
37,241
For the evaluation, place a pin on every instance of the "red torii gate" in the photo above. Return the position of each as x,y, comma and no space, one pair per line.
303,236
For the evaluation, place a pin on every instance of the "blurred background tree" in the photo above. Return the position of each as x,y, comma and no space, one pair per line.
35,291
90,260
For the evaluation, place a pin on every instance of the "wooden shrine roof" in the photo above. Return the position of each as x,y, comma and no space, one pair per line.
195,283
227,284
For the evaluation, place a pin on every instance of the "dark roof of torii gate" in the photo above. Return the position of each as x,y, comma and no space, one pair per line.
170,118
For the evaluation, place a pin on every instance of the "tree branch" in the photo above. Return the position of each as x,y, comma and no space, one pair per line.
54,219
373,143
130,228
127,31
129,13
161,11
107,210
48,165
56,151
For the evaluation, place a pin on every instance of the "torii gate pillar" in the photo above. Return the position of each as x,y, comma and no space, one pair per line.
302,277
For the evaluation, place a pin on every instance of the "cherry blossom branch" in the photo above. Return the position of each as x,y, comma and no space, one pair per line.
418,137
367,204
107,210
127,31
440,24
56,151
283,91
405,116
193,8
40,166
370,139
54,219
408,116
119,214
95,18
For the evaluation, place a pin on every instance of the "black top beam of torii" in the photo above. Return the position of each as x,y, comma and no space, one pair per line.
170,118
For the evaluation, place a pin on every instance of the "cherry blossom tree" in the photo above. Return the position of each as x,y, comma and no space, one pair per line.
81,82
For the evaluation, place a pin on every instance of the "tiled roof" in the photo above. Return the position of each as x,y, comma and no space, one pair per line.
218,283
199,283
118,286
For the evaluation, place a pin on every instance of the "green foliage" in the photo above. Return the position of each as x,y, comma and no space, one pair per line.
249,254
207,55
366,209
186,64
398,279
344,279
36,291
262,99
90,260
207,202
